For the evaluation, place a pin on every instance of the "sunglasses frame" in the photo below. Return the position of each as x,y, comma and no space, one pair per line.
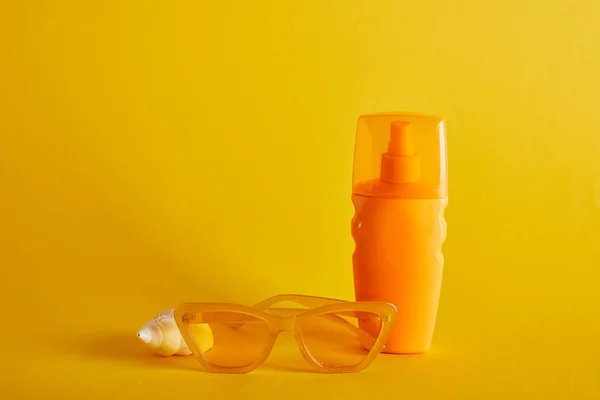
277,324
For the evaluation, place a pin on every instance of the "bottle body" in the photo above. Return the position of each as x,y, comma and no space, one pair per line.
398,259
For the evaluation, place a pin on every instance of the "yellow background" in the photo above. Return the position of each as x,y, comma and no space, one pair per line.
156,152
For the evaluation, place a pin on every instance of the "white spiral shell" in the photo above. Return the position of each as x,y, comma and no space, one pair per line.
162,335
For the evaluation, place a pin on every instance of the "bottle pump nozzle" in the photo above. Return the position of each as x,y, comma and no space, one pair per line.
400,164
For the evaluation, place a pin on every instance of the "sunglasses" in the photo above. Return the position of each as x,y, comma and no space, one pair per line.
332,335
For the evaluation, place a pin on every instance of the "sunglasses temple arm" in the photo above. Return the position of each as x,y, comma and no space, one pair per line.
363,337
306,301
314,302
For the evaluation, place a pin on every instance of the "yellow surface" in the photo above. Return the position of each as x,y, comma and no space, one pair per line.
158,152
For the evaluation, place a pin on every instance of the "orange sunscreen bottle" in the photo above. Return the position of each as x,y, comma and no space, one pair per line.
399,194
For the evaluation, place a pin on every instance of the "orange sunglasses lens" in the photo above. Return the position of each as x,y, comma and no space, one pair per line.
238,339
340,339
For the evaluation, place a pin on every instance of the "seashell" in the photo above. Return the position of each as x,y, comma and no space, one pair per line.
162,335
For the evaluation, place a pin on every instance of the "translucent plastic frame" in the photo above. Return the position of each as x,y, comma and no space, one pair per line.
315,306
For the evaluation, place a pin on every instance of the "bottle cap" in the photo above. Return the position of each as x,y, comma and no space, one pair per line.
400,155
